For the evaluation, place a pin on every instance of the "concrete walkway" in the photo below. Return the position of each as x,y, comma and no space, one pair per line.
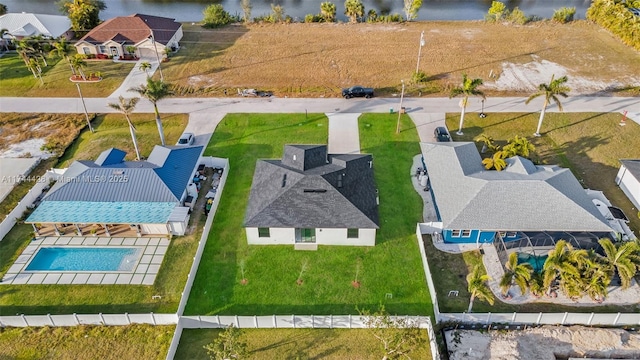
426,123
135,78
344,137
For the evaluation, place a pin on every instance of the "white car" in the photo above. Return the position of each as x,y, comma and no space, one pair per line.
186,139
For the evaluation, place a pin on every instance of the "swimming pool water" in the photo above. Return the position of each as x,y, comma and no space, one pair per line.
536,262
84,259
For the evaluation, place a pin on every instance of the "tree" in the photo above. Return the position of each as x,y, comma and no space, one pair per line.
328,11
126,106
518,146
227,345
145,66
78,64
411,8
154,91
496,161
399,336
563,265
3,9
354,9
477,286
61,48
246,10
215,16
621,258
550,92
277,13
84,14
487,143
468,88
514,272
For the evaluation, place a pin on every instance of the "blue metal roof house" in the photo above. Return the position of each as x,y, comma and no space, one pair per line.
525,203
147,195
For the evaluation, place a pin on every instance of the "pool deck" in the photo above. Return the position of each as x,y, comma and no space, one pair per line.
144,273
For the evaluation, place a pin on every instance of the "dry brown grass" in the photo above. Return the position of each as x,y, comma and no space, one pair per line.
58,130
319,59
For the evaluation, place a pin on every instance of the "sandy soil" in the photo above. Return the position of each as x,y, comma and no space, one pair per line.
543,343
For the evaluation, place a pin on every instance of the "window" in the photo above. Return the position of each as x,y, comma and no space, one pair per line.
308,235
103,49
352,233
86,50
455,233
466,233
263,232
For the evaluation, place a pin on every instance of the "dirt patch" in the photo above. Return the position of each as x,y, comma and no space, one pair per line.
542,343
319,59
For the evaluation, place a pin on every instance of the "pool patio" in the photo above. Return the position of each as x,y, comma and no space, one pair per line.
144,273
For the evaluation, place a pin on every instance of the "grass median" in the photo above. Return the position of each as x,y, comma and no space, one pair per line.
391,267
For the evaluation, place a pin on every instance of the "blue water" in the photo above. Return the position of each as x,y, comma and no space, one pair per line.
536,262
84,259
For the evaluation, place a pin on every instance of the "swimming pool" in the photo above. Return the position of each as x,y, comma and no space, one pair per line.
85,259
536,262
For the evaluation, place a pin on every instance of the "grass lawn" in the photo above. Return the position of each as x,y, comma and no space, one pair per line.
17,81
311,60
111,130
392,266
274,344
589,144
86,342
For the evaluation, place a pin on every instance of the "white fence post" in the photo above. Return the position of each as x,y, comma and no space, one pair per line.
101,318
126,315
590,319
539,318
349,321
564,318
75,317
615,321
235,318
313,324
293,319
153,319
330,321
51,320
24,318
200,321
489,318
218,321
513,318
255,320
275,322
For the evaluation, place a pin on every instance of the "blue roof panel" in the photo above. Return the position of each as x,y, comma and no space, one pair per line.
86,212
178,168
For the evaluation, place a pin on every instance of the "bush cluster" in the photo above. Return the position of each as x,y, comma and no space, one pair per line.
564,15
616,17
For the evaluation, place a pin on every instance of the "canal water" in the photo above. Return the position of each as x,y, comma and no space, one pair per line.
191,10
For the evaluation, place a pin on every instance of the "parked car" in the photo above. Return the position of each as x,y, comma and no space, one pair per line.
441,134
357,91
186,139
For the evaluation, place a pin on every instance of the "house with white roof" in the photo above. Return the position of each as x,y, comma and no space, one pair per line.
310,198
538,203
146,195
21,25
628,179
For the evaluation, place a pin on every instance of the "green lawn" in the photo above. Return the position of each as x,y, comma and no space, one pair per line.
86,342
275,344
111,130
392,266
17,80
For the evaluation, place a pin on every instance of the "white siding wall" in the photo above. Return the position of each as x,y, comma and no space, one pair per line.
279,236
175,39
366,237
286,236
629,185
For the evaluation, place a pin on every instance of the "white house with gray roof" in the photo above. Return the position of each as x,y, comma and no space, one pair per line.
311,197
21,25
628,179
474,205
110,191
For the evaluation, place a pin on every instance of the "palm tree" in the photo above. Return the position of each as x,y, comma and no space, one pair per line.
354,9
563,265
478,287
487,143
78,63
514,272
328,11
126,106
496,161
145,66
550,92
622,259
468,88
519,146
61,48
154,91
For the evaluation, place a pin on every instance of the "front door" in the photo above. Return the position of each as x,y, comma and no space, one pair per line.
114,51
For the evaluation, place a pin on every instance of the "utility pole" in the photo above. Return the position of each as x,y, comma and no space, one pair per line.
86,114
420,50
400,110
153,40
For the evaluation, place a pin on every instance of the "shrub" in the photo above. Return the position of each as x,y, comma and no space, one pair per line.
215,16
564,14
277,13
372,16
419,77
616,17
497,12
390,18
328,11
354,9
517,16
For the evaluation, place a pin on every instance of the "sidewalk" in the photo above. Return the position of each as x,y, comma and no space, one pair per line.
344,137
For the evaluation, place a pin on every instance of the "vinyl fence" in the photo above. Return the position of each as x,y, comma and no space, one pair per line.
610,319
28,200
87,319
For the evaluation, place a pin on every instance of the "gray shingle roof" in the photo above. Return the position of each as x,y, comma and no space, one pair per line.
338,194
523,197
633,167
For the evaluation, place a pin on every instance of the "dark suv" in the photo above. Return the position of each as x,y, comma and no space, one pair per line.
441,134
357,91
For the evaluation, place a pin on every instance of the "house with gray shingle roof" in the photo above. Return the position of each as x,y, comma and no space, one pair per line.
146,33
312,197
21,25
475,205
110,191
628,179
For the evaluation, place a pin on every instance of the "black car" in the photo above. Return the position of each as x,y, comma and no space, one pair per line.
441,134
357,91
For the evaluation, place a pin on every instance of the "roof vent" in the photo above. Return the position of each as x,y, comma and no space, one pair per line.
315,190
118,172
284,180
340,180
